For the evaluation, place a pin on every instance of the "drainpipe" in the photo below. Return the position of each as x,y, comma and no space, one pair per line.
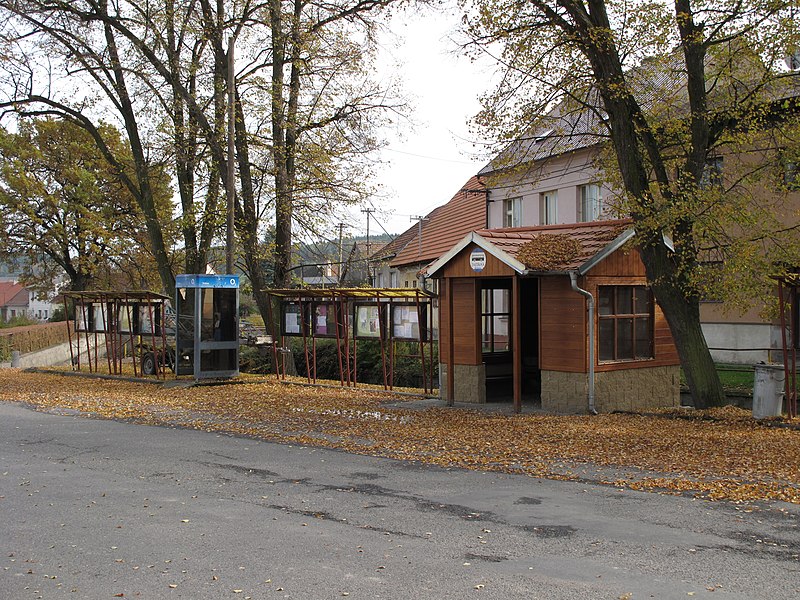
573,278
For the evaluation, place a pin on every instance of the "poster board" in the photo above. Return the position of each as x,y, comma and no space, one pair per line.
101,317
324,319
368,321
406,322
83,317
292,320
149,325
125,314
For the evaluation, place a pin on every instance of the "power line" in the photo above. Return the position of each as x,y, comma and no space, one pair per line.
450,160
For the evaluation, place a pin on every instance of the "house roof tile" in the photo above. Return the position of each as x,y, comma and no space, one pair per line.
13,294
579,123
444,226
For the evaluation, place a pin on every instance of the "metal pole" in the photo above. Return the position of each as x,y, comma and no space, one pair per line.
339,264
69,336
131,320
305,334
421,343
382,332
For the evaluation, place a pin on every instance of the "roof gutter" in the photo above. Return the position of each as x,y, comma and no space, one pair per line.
573,279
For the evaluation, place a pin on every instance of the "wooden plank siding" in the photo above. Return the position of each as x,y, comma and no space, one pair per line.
459,266
466,322
623,262
562,327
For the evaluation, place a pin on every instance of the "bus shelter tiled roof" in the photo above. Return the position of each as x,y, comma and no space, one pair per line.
592,237
595,241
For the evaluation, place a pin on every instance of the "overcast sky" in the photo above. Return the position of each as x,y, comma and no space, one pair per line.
425,166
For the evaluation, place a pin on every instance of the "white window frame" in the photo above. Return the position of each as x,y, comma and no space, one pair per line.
590,208
548,208
512,212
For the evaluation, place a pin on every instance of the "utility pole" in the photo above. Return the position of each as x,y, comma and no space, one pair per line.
420,219
369,212
231,190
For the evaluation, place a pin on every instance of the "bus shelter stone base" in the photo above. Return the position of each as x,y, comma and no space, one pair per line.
630,390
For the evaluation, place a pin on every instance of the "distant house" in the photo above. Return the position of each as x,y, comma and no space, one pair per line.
400,262
18,301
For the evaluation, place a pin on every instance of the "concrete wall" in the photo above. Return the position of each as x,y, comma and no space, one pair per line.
743,343
469,383
59,354
640,389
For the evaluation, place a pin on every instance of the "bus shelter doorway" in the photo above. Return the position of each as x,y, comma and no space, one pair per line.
498,314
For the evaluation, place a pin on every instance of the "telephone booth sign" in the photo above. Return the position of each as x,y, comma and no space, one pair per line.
207,325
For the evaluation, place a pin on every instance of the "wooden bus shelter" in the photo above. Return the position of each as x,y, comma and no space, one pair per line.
128,323
559,314
388,316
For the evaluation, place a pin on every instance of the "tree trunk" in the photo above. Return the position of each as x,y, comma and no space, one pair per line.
683,316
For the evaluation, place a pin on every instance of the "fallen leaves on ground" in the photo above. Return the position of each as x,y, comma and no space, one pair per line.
722,454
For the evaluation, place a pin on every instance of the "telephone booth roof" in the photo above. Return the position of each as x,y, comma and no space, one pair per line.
206,281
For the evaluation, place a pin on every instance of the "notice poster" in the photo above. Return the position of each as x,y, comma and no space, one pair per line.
148,319
83,317
292,320
324,320
99,318
368,321
124,318
405,322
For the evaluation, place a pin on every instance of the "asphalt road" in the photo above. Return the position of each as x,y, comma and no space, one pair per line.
99,509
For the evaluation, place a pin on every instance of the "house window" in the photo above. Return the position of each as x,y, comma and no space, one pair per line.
512,212
790,173
712,173
548,208
45,314
393,279
626,322
495,319
590,203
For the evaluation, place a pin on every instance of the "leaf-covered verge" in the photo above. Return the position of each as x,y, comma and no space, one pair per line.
722,454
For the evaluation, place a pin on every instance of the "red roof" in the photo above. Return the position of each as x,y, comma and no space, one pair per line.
444,226
13,294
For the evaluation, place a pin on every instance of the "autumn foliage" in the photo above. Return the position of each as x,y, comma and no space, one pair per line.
721,454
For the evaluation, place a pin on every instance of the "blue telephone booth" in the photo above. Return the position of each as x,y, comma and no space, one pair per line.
207,325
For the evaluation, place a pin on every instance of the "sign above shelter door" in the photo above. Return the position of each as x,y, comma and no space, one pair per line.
477,260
